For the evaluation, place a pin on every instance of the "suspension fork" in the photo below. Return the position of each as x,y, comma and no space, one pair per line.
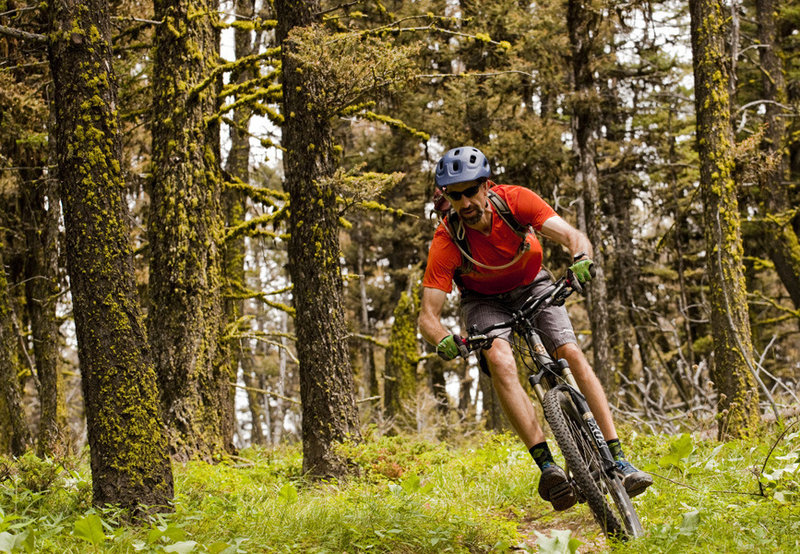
586,414
548,366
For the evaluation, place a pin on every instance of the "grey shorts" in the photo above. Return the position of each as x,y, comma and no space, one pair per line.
552,323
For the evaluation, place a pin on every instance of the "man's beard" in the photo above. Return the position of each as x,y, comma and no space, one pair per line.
474,218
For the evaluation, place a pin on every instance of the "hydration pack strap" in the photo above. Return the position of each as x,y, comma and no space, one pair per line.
456,230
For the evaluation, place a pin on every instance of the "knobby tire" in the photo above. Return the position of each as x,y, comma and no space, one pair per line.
609,484
585,466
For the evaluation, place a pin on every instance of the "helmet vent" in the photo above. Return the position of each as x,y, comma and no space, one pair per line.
473,159
457,152
456,166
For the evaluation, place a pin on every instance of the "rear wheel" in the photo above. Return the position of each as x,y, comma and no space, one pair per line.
585,466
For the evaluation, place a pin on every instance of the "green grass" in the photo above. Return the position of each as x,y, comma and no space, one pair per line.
416,496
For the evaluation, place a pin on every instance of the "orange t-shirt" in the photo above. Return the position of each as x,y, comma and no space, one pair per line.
496,249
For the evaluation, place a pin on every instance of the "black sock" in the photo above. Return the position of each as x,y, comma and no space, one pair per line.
541,454
616,449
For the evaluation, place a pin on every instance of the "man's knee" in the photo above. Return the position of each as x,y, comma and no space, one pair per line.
500,361
574,355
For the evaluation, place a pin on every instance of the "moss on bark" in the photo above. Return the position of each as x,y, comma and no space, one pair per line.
129,460
738,397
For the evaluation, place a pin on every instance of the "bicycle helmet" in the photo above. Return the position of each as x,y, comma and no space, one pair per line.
460,165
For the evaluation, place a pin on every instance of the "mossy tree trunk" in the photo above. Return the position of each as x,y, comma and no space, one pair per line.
400,374
738,397
235,206
34,213
129,454
779,236
326,378
41,205
19,435
583,22
369,371
186,317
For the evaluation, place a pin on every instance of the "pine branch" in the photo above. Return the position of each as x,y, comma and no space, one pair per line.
369,339
273,92
258,194
235,89
268,54
267,392
251,225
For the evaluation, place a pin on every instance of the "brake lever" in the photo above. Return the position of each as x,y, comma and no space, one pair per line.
474,342
573,282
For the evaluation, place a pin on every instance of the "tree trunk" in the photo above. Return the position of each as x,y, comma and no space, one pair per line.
400,374
235,206
369,374
41,205
19,435
738,407
129,458
780,238
583,23
280,408
186,318
326,379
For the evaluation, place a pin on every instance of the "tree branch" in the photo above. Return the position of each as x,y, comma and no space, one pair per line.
23,35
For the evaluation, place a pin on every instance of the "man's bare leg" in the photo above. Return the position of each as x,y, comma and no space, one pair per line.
553,484
590,387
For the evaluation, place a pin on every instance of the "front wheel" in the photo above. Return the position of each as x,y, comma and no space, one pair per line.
585,466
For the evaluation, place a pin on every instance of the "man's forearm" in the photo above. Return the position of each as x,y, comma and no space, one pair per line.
431,329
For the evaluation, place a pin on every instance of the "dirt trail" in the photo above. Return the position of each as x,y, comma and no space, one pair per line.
578,520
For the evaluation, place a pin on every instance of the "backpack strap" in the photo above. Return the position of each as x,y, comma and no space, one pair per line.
502,209
457,232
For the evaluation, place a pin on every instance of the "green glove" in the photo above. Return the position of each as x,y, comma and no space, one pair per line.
582,270
452,346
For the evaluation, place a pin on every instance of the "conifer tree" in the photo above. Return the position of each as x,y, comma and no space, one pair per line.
733,352
585,23
186,320
326,379
780,238
400,387
129,458
19,436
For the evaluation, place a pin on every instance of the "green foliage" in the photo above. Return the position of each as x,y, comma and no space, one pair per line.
478,495
679,450
344,69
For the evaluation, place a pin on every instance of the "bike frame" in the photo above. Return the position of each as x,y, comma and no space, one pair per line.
547,375
551,373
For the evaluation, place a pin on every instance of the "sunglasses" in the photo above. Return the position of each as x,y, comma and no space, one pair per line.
469,193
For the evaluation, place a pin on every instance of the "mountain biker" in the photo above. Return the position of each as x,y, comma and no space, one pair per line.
503,275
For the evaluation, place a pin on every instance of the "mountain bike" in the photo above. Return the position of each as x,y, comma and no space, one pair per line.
589,463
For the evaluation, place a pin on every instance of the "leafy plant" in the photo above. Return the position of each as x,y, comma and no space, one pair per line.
679,451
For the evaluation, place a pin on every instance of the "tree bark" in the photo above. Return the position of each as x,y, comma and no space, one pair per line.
326,379
19,435
369,373
41,205
186,317
400,374
738,407
780,238
583,23
129,458
235,206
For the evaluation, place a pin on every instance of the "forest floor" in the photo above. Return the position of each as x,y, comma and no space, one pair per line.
454,494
